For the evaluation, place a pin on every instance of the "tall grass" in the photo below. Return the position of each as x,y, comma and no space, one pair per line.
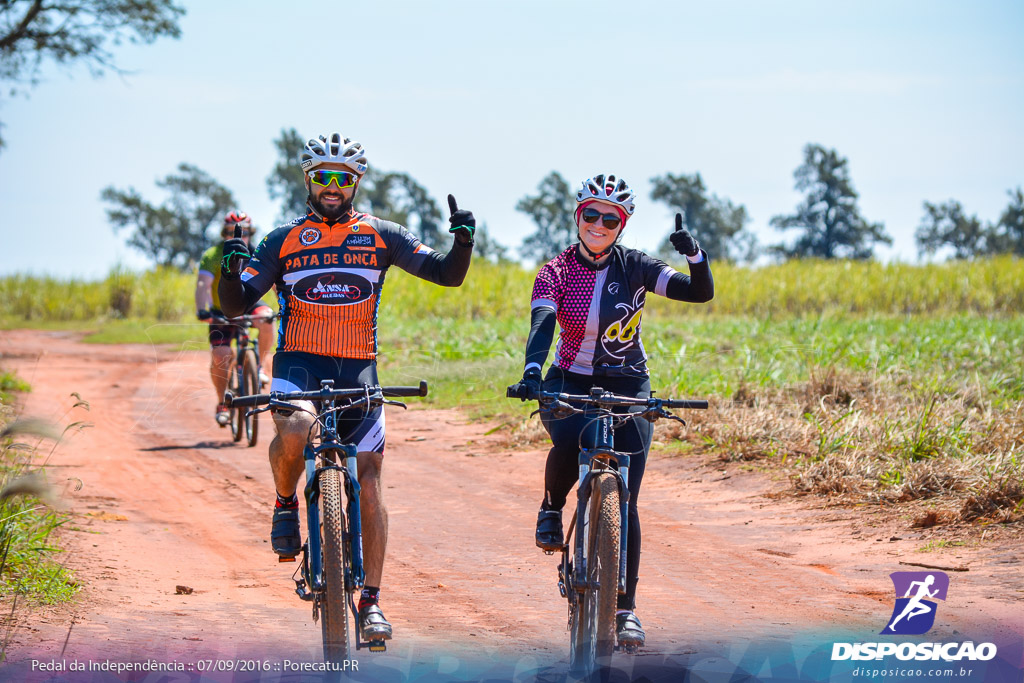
29,564
791,289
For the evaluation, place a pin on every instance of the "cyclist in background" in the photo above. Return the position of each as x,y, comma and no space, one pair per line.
596,290
329,267
208,305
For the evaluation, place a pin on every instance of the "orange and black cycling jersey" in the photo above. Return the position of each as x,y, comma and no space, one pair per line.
329,277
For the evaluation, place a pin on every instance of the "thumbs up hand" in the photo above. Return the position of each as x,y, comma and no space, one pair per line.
236,255
682,240
463,223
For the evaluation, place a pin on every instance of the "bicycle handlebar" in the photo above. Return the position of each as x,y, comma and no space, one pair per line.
607,399
242,320
322,395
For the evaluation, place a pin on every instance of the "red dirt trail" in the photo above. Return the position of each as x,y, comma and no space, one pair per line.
167,500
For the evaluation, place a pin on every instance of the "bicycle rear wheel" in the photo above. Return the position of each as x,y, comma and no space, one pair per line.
334,600
592,627
251,386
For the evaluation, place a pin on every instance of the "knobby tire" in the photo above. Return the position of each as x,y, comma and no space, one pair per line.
237,414
334,620
251,387
592,630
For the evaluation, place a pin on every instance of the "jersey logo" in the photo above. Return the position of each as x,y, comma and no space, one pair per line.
361,240
309,236
613,288
622,334
339,289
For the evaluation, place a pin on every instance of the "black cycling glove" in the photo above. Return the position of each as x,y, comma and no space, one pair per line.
463,223
682,240
528,387
236,255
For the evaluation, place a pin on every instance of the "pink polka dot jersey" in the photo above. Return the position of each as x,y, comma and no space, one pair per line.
599,310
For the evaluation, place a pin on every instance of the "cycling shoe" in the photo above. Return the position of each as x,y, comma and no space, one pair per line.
628,630
372,624
549,530
285,538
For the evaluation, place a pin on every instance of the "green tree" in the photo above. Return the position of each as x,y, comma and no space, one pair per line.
71,31
286,180
174,233
946,225
828,217
1008,234
715,222
551,210
397,197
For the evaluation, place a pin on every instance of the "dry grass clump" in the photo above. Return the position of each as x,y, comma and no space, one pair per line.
999,502
880,440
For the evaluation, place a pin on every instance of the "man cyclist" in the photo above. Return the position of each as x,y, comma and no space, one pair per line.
208,305
329,267
596,290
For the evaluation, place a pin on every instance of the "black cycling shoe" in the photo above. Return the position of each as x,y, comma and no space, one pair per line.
628,630
372,624
549,530
285,538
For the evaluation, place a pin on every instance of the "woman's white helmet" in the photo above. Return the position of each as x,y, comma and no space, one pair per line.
607,188
333,149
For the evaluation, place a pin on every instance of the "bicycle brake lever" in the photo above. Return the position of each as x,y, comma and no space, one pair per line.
389,402
253,411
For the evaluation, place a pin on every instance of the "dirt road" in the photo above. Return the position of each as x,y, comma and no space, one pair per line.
167,500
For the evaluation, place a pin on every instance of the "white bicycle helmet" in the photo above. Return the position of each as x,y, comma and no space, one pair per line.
333,149
607,188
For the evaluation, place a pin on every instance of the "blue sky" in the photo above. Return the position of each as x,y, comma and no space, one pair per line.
482,99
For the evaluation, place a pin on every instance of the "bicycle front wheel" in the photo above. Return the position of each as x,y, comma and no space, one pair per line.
251,386
238,388
333,601
592,627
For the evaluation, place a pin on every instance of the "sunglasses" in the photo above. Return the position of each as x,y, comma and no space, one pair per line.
608,220
342,179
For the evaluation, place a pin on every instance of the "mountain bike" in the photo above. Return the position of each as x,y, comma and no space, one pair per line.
244,378
592,571
331,573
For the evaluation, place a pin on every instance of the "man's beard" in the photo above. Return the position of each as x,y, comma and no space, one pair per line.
332,214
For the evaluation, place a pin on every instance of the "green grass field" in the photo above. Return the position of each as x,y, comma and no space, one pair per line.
862,374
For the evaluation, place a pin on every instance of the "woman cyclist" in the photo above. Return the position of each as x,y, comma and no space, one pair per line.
595,290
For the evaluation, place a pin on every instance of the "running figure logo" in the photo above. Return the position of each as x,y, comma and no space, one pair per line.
914,613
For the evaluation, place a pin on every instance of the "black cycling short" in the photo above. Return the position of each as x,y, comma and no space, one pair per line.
301,371
221,335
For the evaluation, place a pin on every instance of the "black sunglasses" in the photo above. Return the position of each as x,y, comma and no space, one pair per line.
608,220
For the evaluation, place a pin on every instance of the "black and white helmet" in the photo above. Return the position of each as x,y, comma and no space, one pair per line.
607,188
333,149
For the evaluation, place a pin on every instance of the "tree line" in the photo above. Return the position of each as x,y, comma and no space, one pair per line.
176,232
827,223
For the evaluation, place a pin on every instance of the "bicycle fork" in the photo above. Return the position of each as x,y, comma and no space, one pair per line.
603,450
312,559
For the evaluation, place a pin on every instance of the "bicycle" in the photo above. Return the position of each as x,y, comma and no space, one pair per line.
594,553
244,378
331,573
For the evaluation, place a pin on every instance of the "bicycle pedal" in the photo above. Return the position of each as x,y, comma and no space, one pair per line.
285,559
628,648
549,552
377,646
